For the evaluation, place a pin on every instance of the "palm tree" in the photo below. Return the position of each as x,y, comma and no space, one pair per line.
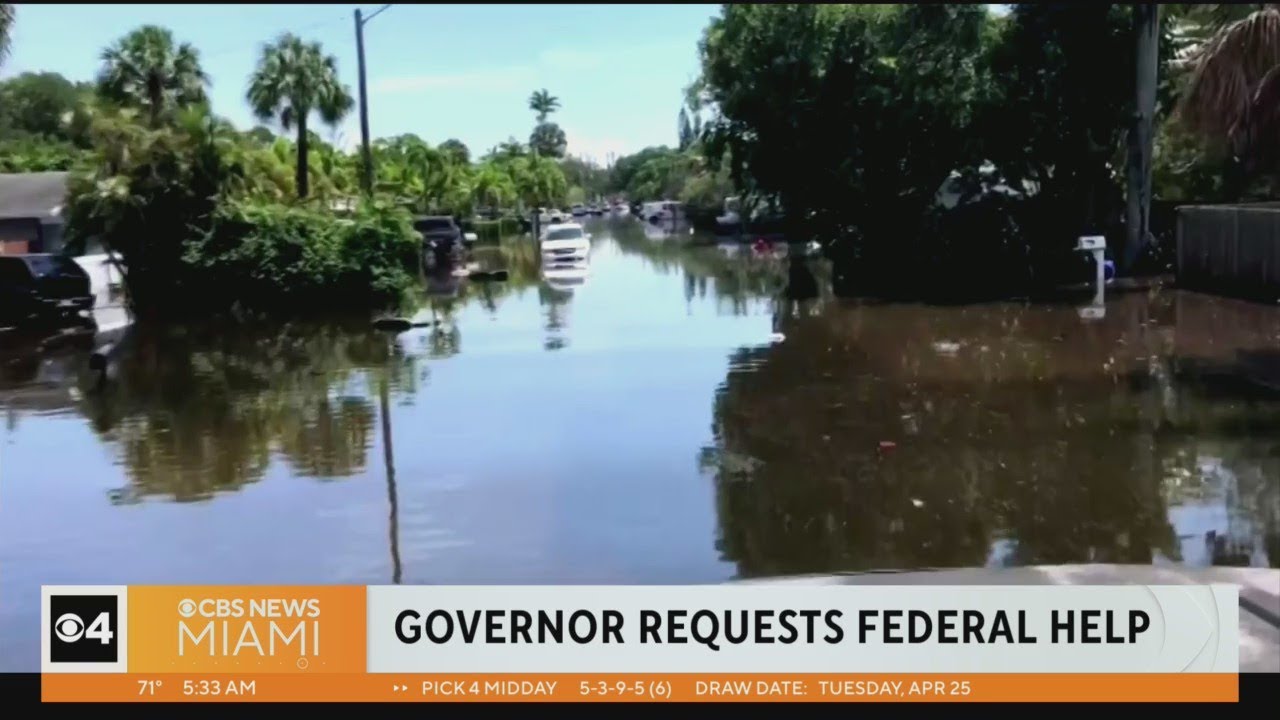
292,79
6,26
431,170
540,182
509,149
493,186
543,103
147,69
1233,93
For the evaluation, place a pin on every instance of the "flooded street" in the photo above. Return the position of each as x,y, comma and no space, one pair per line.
670,416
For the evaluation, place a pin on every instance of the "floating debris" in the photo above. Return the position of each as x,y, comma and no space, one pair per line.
489,276
946,347
395,324
777,337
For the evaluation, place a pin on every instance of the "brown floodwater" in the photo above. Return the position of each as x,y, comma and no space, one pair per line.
675,414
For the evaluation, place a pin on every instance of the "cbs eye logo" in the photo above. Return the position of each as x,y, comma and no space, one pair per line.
83,628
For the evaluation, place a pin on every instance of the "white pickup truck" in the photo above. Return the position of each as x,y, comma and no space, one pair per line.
566,244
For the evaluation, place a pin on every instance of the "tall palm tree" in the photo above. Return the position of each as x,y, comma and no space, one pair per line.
294,78
6,27
147,69
543,103
1233,92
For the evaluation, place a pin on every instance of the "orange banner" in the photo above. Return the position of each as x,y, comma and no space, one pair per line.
253,629
709,687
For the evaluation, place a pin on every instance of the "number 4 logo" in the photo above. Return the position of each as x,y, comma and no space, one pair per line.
100,629
85,629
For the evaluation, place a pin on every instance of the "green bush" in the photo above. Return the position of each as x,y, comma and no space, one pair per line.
184,206
382,250
275,257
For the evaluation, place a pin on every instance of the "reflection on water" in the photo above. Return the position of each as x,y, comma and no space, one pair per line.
195,411
707,411
904,436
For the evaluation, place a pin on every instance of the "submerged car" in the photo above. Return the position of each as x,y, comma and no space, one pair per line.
552,216
661,212
442,240
41,288
566,244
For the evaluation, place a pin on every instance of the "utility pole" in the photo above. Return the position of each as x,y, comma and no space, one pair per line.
1146,33
366,174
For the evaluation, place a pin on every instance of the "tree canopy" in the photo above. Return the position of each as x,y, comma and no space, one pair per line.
7,15
293,79
148,69
456,150
41,105
543,103
548,140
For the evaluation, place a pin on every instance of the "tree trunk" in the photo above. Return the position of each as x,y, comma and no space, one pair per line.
155,94
302,176
1146,33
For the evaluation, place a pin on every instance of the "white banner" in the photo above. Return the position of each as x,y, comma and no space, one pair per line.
796,628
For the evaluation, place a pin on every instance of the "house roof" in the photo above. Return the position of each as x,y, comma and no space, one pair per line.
32,195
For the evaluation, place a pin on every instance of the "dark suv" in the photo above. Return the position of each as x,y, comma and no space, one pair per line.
442,239
37,288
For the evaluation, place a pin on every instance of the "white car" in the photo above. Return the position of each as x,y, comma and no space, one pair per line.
566,244
552,216
662,211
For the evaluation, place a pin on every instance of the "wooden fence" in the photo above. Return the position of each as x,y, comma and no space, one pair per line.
1232,249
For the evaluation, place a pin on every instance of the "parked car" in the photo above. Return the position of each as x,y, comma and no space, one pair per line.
443,241
662,211
42,288
552,216
566,244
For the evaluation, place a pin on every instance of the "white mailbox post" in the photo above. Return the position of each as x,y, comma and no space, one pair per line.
1095,245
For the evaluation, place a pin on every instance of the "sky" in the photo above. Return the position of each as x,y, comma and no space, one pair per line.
440,71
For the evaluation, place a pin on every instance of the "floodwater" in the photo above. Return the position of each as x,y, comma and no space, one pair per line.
669,416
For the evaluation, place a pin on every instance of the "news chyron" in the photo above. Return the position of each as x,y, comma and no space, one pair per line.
831,643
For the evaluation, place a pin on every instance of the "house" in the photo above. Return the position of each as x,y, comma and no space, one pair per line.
31,206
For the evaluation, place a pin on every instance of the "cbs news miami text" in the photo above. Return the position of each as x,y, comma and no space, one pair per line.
640,644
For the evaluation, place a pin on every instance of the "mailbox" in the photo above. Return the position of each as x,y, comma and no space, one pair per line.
1089,243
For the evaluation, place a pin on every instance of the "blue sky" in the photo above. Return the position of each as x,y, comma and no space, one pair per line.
440,71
